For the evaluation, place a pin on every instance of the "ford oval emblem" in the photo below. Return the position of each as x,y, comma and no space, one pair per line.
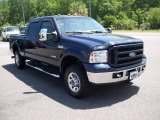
132,54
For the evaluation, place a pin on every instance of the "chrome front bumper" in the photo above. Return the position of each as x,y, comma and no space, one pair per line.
107,77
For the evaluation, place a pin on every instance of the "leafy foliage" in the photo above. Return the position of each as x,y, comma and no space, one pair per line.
154,18
118,14
78,8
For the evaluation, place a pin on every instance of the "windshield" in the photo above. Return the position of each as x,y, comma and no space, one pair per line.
79,25
12,29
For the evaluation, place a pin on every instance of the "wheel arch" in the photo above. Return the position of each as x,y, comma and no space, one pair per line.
68,61
15,47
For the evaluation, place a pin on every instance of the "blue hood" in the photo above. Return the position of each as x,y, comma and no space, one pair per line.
107,40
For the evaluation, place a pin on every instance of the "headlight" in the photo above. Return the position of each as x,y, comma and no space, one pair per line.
98,56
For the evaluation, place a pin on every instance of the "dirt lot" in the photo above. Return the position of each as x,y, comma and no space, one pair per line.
31,95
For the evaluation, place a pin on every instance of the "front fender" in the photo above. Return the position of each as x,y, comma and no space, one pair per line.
82,55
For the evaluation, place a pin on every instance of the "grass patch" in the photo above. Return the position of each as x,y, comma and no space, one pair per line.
138,31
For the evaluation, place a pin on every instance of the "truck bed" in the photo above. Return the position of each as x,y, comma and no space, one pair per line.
18,38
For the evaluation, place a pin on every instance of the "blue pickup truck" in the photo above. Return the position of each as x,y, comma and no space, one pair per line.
79,50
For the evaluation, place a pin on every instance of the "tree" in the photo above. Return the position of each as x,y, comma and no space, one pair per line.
119,14
78,8
140,17
4,13
154,18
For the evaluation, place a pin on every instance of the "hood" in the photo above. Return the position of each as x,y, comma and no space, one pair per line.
106,40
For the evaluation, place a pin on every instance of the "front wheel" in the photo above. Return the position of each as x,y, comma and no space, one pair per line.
19,60
76,81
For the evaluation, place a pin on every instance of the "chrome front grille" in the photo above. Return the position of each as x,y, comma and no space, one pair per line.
124,55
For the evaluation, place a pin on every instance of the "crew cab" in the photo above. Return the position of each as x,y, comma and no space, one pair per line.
79,50
8,31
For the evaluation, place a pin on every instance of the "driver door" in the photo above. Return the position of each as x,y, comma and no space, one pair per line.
47,47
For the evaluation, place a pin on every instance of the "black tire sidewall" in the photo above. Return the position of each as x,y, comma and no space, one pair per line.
21,60
80,72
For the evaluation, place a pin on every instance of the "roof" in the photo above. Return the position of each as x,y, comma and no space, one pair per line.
56,16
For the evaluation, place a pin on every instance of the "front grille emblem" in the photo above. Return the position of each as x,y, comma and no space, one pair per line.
132,54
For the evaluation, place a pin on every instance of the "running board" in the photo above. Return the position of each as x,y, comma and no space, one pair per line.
54,75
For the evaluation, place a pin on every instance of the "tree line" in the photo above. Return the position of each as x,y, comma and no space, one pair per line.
117,14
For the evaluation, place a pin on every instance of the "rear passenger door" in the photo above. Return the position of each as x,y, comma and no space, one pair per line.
47,50
31,38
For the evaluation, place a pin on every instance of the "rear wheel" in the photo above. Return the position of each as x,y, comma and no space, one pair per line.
76,81
19,60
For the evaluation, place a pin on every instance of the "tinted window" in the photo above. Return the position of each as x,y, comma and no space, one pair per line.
47,25
32,30
78,24
11,29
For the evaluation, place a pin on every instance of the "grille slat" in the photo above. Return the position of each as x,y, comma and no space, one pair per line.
120,55
124,52
128,58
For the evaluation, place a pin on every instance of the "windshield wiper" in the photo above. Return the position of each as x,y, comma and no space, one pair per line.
96,31
80,32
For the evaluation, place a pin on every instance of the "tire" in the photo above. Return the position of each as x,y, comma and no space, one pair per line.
19,60
76,81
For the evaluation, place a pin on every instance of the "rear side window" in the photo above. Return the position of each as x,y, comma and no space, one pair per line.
32,33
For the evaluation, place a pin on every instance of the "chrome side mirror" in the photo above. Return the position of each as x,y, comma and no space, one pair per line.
52,36
43,35
109,30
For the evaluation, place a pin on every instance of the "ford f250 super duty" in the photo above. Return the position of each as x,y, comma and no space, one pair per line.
79,50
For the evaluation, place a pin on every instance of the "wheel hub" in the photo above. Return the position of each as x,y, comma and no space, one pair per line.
74,82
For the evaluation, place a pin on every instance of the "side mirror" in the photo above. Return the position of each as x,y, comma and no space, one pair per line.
43,35
52,36
109,30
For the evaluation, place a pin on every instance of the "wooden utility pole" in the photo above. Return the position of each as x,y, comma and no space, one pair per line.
23,11
90,8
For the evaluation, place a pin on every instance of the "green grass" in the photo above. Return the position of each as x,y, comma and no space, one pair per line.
149,31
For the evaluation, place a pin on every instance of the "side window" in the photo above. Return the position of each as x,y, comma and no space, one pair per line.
46,31
32,31
47,25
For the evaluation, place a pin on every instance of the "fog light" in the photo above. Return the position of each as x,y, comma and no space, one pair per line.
118,75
